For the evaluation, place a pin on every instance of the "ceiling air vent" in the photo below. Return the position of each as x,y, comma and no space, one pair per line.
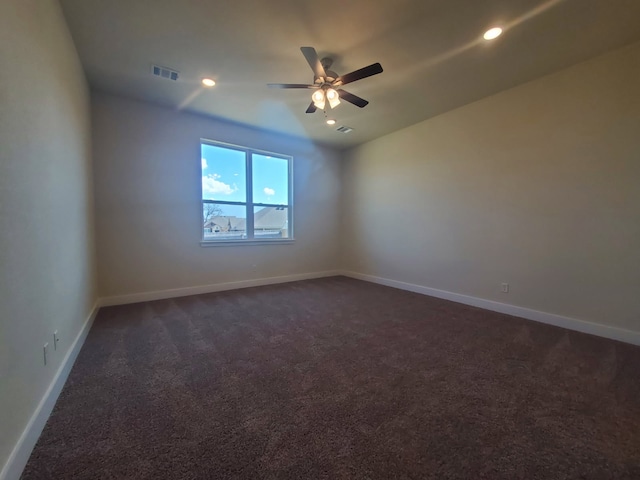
164,72
343,129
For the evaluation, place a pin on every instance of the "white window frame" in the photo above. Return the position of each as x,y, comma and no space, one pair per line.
249,204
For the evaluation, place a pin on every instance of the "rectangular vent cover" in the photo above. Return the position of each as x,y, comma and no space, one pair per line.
165,72
343,129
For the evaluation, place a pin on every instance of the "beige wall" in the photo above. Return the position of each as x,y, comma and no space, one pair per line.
148,213
46,240
538,186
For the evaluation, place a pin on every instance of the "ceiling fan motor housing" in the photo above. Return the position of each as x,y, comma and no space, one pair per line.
326,81
326,62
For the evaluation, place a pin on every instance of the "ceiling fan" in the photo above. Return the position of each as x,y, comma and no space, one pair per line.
327,83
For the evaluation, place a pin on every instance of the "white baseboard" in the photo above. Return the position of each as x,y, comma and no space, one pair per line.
606,331
216,287
20,455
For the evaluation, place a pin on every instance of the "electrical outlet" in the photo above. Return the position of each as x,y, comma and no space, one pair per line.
44,352
505,288
56,339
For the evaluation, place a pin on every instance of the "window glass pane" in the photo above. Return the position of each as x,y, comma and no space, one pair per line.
270,180
270,222
223,174
224,222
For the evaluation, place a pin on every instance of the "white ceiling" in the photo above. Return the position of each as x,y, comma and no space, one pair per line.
431,50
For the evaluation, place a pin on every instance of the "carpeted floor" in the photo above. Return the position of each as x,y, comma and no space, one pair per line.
337,378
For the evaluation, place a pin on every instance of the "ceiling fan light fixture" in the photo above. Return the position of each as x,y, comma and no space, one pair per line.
333,97
492,33
318,99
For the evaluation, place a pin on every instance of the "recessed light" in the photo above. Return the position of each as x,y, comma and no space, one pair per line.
492,33
331,121
208,82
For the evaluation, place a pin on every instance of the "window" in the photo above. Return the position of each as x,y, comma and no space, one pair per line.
246,195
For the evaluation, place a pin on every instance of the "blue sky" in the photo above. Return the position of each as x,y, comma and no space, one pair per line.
224,176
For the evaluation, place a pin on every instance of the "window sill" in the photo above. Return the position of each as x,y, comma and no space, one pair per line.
234,243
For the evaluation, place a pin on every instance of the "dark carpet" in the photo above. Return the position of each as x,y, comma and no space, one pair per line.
337,378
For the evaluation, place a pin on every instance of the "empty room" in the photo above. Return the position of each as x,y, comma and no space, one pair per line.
320,240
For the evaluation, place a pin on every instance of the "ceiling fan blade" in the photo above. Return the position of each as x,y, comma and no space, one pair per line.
314,62
290,85
351,98
312,108
365,72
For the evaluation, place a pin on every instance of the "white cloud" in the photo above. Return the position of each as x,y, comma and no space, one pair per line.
204,163
269,191
213,186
